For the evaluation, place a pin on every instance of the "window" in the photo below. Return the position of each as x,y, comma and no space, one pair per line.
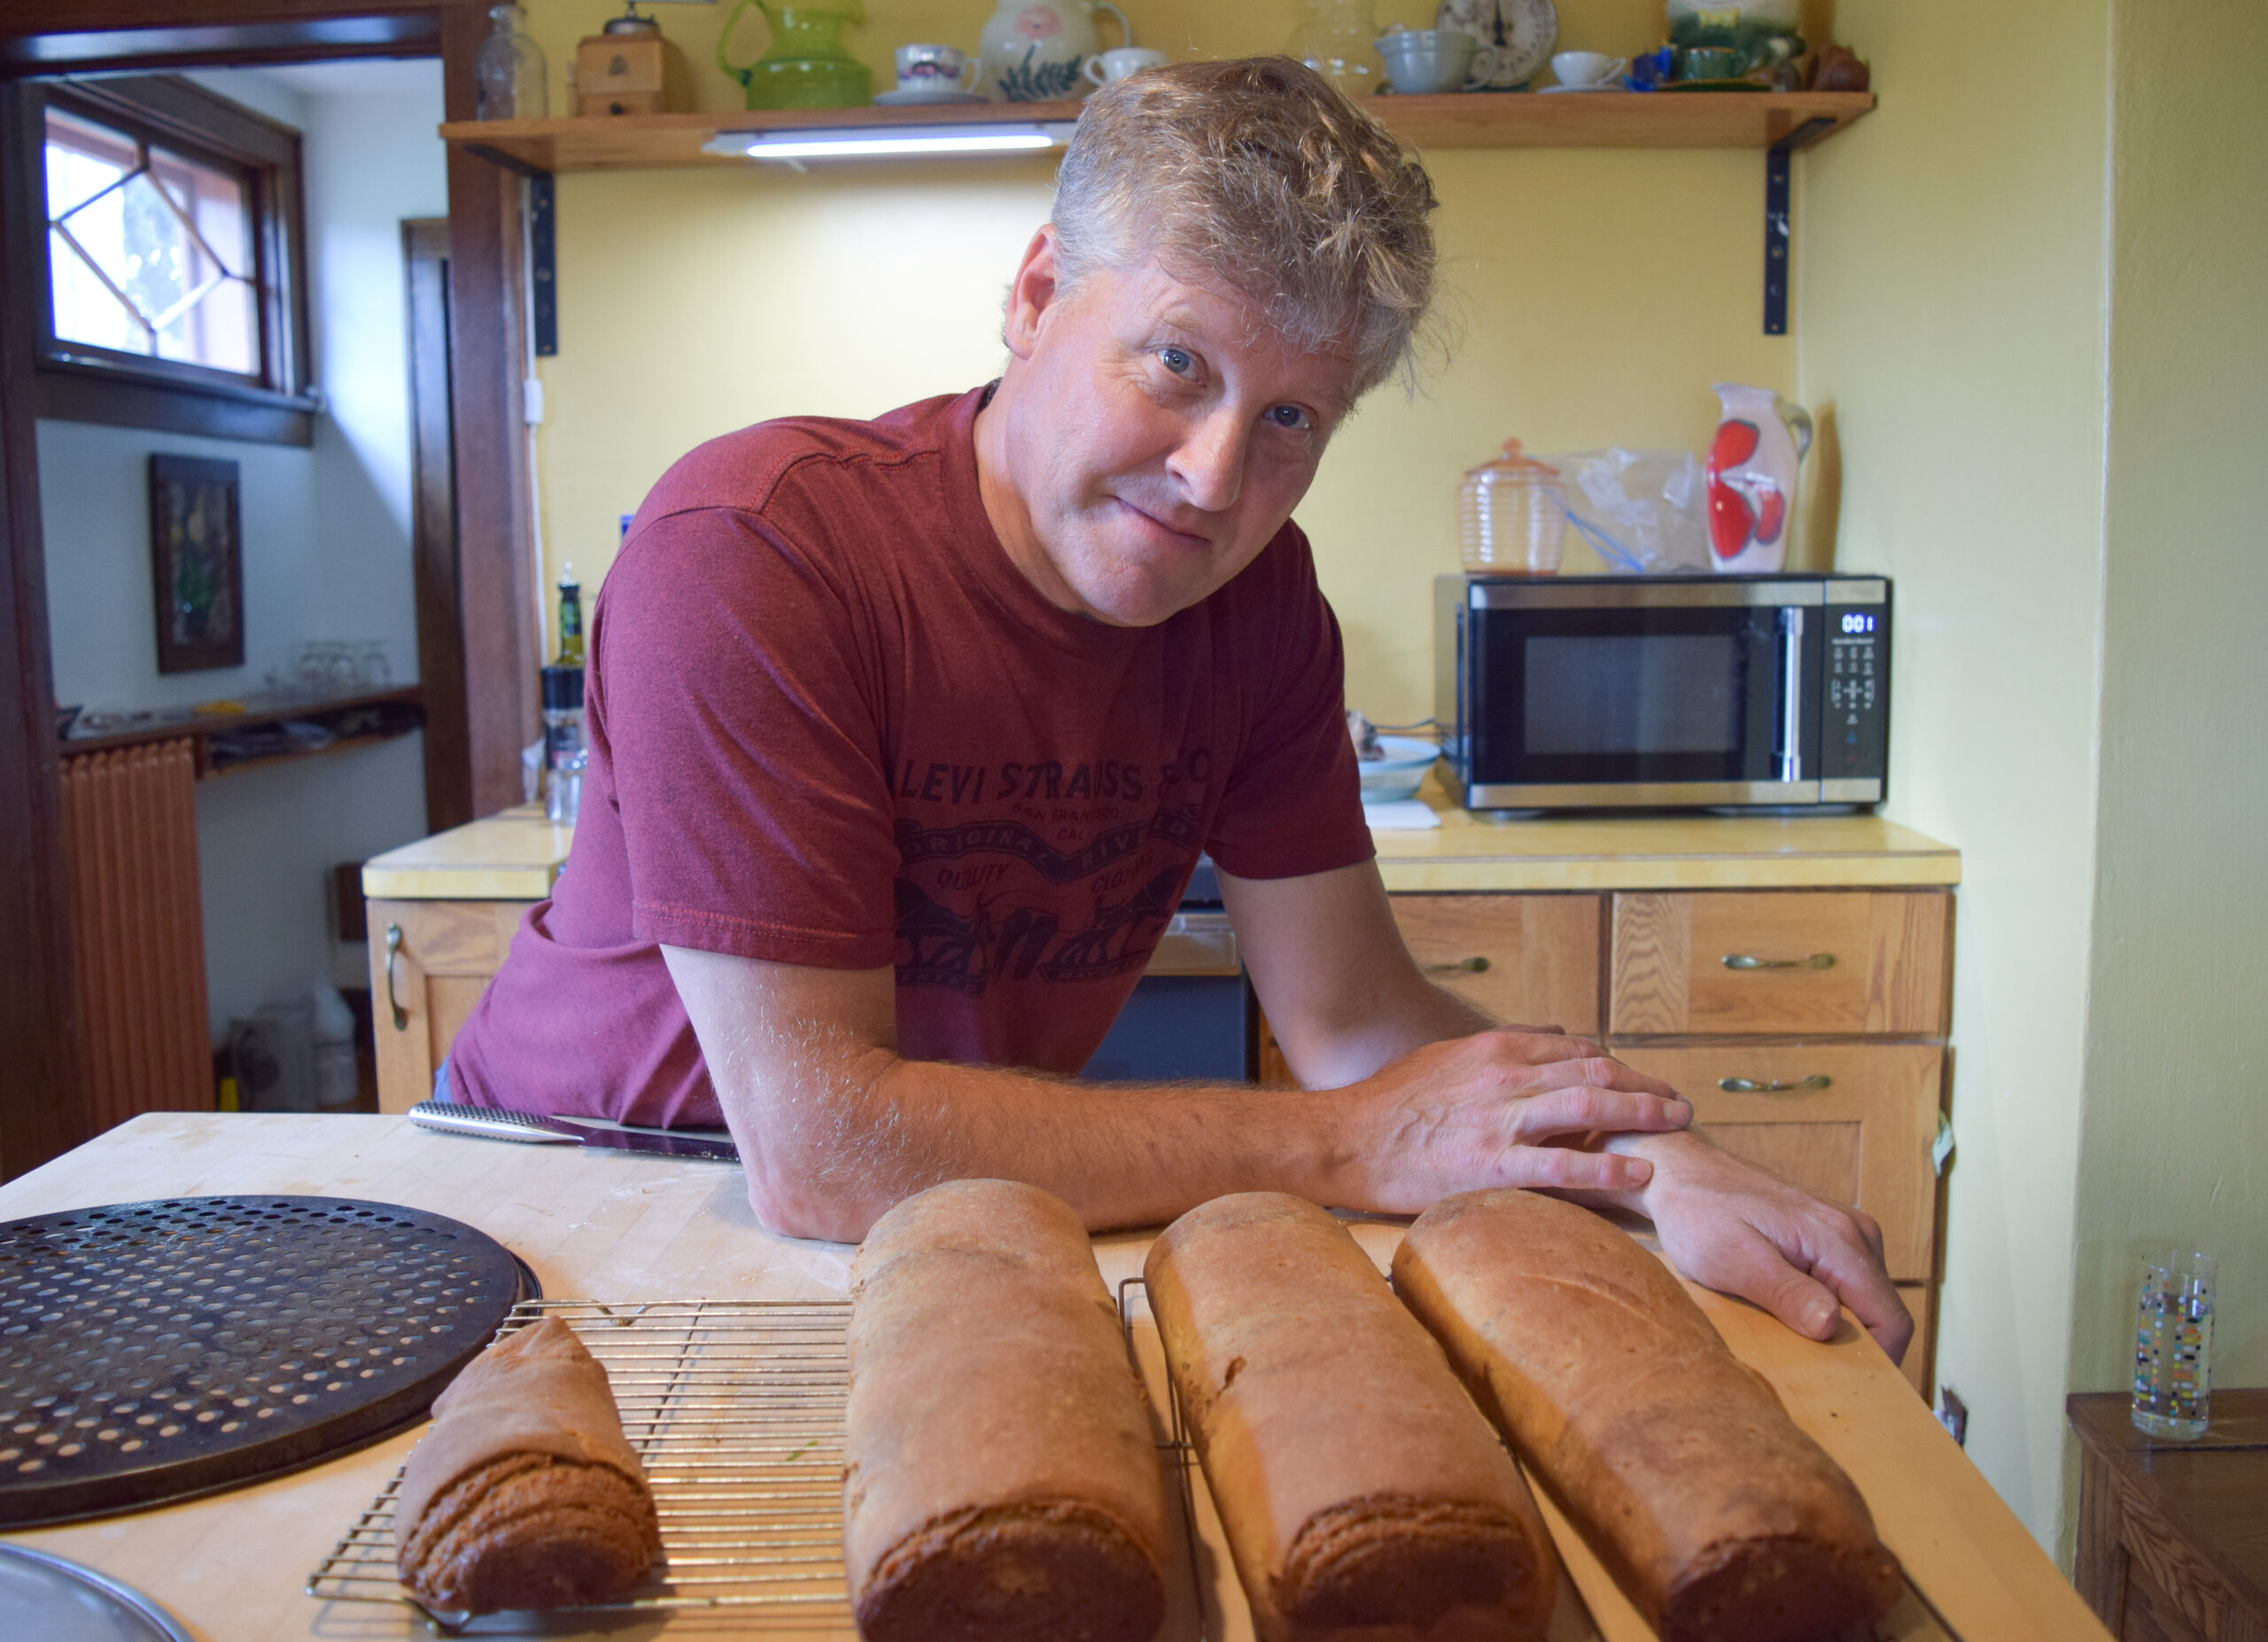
169,229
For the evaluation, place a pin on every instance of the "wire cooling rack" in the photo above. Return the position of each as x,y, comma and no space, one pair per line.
735,1408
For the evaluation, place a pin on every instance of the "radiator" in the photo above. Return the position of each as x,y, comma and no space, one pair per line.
138,930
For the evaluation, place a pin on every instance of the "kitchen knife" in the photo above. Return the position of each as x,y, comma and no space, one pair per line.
495,1123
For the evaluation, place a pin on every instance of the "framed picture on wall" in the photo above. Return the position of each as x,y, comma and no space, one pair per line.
197,563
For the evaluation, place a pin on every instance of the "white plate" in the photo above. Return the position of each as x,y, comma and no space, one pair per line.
926,99
1613,85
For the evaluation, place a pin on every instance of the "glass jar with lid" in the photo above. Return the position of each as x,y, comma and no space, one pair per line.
1512,516
513,80
1334,37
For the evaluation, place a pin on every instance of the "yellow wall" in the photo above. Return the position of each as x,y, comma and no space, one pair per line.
2175,1142
1951,300
1597,295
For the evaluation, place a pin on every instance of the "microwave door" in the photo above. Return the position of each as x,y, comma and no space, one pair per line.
1662,704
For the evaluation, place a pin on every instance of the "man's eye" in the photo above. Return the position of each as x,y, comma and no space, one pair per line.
1176,359
1289,416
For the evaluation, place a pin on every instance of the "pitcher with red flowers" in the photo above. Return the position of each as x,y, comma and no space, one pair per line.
1752,470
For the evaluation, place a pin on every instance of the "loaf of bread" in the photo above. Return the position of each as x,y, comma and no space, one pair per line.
525,1493
1002,1481
1723,1522
1362,1493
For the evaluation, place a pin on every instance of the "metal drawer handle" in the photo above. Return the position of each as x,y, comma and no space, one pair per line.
1778,1086
1462,966
1743,960
393,945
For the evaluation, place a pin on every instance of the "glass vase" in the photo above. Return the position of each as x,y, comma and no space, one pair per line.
513,80
1336,39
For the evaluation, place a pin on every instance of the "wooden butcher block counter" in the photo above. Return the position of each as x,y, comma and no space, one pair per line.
611,1226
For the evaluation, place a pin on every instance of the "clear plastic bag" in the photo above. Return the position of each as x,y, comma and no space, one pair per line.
1644,512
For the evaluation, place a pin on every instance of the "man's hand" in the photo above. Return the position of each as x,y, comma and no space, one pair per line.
1497,1109
1741,1229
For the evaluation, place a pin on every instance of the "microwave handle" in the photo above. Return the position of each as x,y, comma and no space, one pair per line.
1791,694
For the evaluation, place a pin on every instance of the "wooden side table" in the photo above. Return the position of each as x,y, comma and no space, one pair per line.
2174,1537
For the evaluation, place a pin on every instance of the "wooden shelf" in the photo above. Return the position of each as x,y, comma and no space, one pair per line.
1454,119
408,714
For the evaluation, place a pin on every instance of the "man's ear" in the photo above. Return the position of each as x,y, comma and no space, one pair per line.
1037,288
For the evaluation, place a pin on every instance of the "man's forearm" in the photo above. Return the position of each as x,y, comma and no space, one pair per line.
1119,1154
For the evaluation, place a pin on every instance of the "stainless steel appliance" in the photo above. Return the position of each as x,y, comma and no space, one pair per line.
1743,692
1191,1014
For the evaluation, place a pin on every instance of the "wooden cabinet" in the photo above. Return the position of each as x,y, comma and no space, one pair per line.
2174,1537
430,961
1807,1027
1794,960
1851,1122
1530,959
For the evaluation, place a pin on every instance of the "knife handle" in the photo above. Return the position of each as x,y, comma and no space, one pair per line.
490,1123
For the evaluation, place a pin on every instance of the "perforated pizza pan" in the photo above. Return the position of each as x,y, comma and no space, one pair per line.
151,1351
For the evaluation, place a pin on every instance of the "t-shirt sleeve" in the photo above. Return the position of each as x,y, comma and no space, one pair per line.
1294,804
738,713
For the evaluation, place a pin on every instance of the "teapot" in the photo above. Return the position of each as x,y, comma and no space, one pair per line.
807,65
1035,51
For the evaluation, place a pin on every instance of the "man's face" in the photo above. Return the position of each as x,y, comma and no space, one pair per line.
1149,436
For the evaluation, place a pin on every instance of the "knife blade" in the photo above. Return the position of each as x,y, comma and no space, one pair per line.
491,1122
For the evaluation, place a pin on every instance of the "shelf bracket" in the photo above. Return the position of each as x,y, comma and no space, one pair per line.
1776,212
543,249
543,267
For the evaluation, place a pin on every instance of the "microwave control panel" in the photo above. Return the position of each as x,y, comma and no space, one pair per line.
1855,740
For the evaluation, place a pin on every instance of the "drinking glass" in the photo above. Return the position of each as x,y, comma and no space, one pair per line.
2173,1346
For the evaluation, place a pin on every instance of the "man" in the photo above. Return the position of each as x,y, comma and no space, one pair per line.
905,735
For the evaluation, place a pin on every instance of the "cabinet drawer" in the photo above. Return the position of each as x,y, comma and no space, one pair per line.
1527,958
1851,1122
1809,960
433,978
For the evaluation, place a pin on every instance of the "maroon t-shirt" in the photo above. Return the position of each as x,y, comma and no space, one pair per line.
832,724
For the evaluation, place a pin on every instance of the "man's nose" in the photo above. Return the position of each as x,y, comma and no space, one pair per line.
1209,462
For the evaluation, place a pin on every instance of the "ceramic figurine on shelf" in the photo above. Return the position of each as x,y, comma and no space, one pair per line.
1752,471
1036,50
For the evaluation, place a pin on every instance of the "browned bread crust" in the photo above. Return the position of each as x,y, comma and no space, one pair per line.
1362,1493
1721,1519
1002,1480
525,1493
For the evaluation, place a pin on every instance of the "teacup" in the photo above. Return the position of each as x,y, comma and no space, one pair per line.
1588,69
1423,61
933,68
1106,67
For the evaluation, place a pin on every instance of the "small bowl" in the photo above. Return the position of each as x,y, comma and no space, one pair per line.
1399,774
1422,61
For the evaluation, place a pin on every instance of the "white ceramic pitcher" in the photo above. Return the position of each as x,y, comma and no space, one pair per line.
1035,50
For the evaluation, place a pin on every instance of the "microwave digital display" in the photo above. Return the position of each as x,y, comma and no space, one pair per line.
1651,694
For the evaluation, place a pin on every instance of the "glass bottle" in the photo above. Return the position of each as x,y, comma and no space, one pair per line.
1336,39
514,82
571,618
1512,516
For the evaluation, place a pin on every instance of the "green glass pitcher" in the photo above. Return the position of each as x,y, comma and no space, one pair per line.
808,66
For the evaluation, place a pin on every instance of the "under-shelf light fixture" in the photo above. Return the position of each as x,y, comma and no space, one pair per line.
889,141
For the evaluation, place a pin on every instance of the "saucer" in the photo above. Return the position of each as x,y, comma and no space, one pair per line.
1603,85
926,99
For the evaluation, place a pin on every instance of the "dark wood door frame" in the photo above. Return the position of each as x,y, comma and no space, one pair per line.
43,1107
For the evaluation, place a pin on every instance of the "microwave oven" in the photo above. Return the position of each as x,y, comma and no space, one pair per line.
1737,692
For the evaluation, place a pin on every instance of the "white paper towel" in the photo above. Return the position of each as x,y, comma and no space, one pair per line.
1401,815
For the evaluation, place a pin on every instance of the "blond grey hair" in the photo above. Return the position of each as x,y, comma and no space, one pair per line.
1260,174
